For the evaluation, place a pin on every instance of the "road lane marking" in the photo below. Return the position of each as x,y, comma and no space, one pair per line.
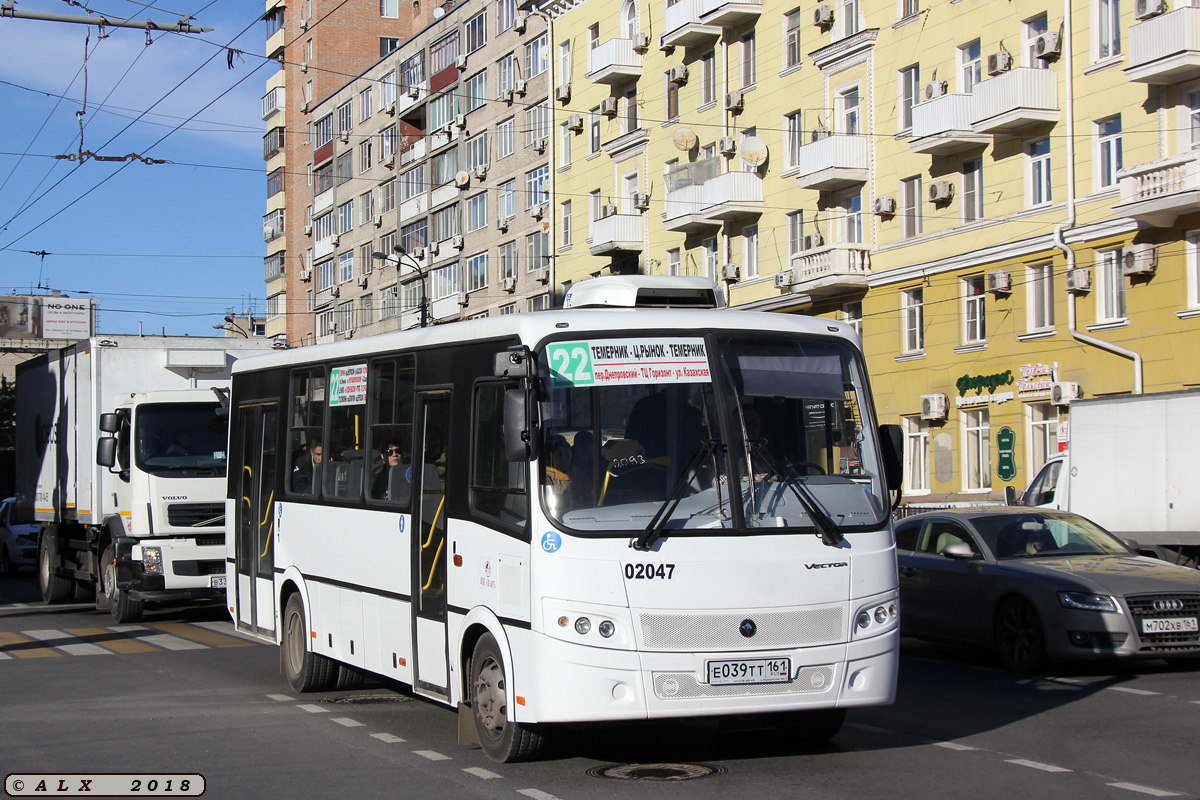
1022,762
954,746
313,708
1133,787
432,755
1129,690
347,722
481,773
164,640
537,794
283,698
387,737
68,644
117,642
14,644
193,633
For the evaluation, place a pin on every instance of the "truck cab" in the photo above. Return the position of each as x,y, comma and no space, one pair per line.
1046,490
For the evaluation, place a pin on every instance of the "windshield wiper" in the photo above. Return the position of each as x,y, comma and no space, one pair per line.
654,530
827,529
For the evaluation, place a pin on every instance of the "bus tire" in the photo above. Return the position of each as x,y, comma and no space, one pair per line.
502,739
305,671
121,606
347,677
55,588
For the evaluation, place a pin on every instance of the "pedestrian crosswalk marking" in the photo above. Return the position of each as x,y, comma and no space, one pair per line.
164,640
116,642
68,644
201,635
120,639
14,644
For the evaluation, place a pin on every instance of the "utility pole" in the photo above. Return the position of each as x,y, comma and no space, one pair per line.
183,26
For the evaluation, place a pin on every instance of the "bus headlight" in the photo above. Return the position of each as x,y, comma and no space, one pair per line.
878,615
152,560
607,629
583,625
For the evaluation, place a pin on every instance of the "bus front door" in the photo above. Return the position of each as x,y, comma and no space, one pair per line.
255,519
431,671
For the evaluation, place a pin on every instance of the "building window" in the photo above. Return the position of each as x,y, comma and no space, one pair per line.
848,106
1110,297
970,66
273,142
537,186
916,453
506,200
506,15
672,95
1031,29
793,21
274,20
594,131
537,251
345,115
1108,151
565,222
537,122
273,266
712,258
364,105
1037,157
477,151
1043,434
477,272
564,62
346,266
795,233
508,260
477,90
913,314
909,8
852,315
443,109
388,305
443,53
365,262
1108,28
446,281
323,131
325,275
849,17
974,318
346,216
1040,289
506,140
274,182
593,37
412,236
389,9
750,250
852,226
476,31
708,78
911,223
443,167
977,450
387,196
971,172
594,211
506,75
564,145
1191,124
387,143
323,227
365,155
793,138
477,212
673,261
366,310
908,95
344,167
537,56
1192,244
444,223
412,71
412,183
629,116
747,59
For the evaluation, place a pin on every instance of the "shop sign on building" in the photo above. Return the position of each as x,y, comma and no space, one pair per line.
1035,380
1006,462
978,383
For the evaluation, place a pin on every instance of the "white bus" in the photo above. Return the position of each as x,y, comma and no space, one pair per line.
590,514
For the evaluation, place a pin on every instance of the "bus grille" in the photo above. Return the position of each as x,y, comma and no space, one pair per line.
196,515
684,686
1179,605
699,632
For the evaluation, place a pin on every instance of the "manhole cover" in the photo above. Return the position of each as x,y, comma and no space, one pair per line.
366,699
655,772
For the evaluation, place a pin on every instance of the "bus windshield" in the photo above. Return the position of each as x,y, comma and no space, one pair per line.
733,430
181,439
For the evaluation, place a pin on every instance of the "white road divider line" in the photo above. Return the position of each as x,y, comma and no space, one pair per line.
1021,762
481,773
313,708
1128,690
1133,787
347,722
67,643
283,698
954,746
432,755
390,738
537,794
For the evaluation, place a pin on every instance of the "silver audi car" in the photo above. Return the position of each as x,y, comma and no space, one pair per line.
1041,586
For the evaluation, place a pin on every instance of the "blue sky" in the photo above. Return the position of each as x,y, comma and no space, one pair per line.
172,246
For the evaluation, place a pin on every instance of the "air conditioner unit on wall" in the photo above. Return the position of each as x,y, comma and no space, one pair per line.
1079,280
510,284
305,275
562,93
608,210
999,62
641,41
678,74
641,201
727,145
823,15
734,101
935,89
783,279
461,62
1145,9
884,205
1063,392
941,192
575,122
521,20
730,273
934,406
1139,259
999,281
608,106
813,241
480,171
1048,45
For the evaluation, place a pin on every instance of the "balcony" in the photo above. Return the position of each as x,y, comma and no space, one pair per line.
1158,192
683,26
833,162
699,197
729,14
617,233
1165,49
614,62
273,101
1016,99
942,125
414,151
831,270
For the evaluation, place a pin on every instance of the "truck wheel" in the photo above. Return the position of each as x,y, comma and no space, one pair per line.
55,588
502,739
122,607
1019,636
306,671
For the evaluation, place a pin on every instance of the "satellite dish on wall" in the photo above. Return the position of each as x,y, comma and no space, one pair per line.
439,12
754,151
684,139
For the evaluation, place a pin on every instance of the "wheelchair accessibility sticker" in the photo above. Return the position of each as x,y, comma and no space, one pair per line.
551,542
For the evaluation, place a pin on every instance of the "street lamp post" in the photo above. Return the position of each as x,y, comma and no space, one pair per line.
231,326
399,253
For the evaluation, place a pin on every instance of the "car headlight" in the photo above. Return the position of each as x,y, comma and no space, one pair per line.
152,560
1082,601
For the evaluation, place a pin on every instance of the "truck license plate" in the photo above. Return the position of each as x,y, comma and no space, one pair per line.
1180,625
759,670
217,581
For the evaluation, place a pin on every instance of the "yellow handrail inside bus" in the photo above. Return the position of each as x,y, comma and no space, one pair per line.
433,566
604,489
433,525
266,517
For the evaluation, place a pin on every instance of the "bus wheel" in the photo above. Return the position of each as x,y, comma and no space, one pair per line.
306,671
122,607
347,677
55,588
503,739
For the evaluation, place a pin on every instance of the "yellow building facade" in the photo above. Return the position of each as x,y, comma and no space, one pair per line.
1001,197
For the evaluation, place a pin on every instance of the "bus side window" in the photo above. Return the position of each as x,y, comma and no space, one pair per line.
306,422
497,485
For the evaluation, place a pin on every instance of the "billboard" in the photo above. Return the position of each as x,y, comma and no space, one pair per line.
45,317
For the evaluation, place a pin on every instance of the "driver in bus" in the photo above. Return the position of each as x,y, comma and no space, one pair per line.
306,466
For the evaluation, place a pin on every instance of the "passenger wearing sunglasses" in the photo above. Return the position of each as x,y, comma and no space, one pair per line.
390,458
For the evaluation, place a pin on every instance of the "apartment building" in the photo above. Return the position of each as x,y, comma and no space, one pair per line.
319,45
1004,208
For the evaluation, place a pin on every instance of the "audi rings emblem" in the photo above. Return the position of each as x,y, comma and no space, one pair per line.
1168,605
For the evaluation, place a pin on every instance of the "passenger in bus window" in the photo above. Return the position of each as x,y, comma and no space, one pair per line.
307,468
385,484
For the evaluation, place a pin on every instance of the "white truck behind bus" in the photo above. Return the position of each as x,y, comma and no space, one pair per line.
121,451
1133,467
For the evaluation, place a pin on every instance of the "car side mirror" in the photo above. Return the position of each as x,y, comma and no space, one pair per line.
1010,495
960,551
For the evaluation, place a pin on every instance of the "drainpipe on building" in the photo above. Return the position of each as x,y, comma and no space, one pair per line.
551,145
1061,228
725,132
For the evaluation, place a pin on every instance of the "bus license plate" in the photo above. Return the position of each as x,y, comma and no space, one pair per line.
217,582
759,670
1184,625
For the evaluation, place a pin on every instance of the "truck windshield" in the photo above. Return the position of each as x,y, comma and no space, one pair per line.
729,431
183,438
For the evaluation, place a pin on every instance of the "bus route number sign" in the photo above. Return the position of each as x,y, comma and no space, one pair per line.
628,362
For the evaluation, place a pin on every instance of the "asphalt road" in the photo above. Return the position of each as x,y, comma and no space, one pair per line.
182,693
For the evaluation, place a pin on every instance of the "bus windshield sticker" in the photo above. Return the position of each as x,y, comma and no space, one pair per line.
348,385
625,362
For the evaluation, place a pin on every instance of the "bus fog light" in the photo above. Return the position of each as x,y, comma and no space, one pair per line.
583,625
893,611
607,629
152,560
864,619
881,615
562,622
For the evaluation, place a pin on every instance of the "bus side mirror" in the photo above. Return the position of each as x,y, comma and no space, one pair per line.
106,448
891,452
110,423
514,363
520,443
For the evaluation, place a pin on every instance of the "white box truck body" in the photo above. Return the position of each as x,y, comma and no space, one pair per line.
121,451
1132,466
